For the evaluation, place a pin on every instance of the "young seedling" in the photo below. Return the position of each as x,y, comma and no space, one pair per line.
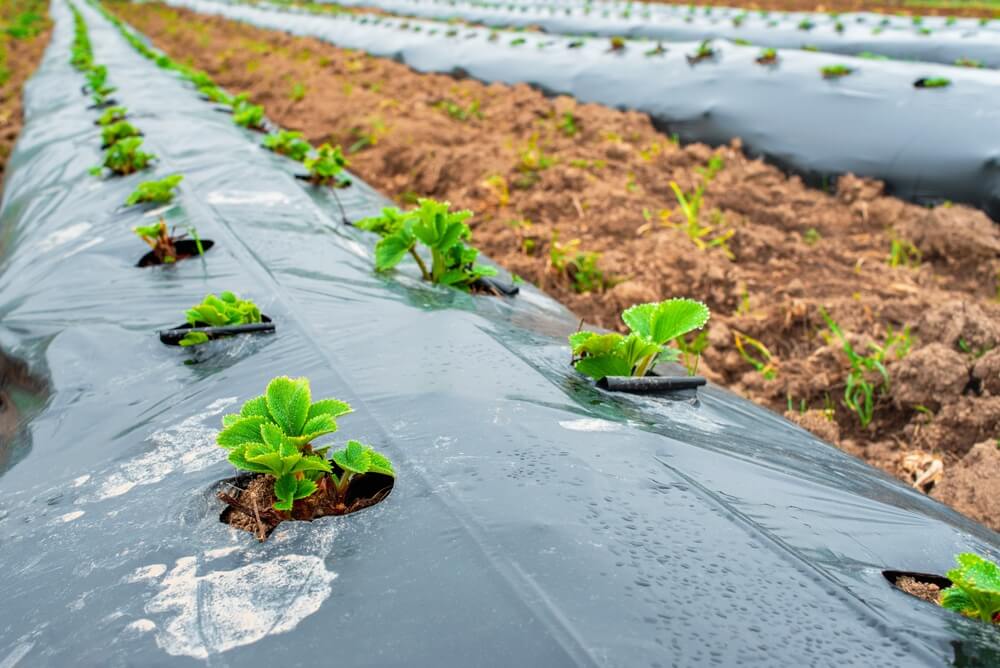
657,50
975,589
458,112
326,166
652,327
703,235
767,57
97,84
124,157
580,266
444,232
250,116
617,45
112,115
118,131
216,94
288,143
969,62
705,51
756,354
835,71
806,24
157,192
223,311
163,244
274,433
568,124
903,253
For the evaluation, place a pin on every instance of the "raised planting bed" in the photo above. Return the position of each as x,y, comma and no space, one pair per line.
886,110
514,485
931,42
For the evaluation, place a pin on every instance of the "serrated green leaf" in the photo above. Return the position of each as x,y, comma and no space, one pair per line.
978,580
237,459
255,407
193,339
577,339
665,321
331,407
354,458
228,420
244,430
288,403
272,435
264,455
316,427
391,249
380,464
311,463
304,488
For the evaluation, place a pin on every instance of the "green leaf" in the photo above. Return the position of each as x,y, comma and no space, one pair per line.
194,339
978,580
265,455
311,463
304,488
331,407
237,459
354,458
577,339
288,403
391,250
597,367
272,435
240,432
665,321
598,344
229,420
314,428
255,407
285,488
380,464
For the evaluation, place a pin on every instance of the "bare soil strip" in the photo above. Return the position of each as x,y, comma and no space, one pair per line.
19,56
552,182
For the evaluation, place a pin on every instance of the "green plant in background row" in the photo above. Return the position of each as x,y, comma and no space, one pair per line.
97,84
326,166
216,94
247,115
835,71
118,131
223,311
652,327
767,57
975,590
443,232
112,115
124,157
157,237
274,433
288,143
157,192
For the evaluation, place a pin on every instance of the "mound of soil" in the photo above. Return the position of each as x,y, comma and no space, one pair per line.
22,57
551,180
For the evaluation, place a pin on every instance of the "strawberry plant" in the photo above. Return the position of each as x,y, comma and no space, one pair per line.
969,62
97,84
443,232
288,143
651,328
835,71
223,311
81,54
216,94
112,115
932,82
806,24
117,131
157,192
705,51
273,434
250,116
975,589
767,57
657,50
326,165
124,157
617,45
163,244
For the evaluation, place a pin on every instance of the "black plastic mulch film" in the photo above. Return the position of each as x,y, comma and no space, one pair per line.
536,520
931,40
928,145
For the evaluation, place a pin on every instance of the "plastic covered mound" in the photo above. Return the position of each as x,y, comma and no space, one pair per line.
927,145
934,41
536,520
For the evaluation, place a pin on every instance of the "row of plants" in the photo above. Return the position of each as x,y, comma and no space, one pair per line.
20,21
275,436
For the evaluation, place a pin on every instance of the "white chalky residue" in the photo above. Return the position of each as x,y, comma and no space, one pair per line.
187,447
60,237
95,241
140,626
69,517
212,613
249,197
16,655
220,552
589,424
151,572
82,479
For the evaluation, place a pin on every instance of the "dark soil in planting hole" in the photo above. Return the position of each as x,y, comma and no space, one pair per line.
186,248
251,499
925,586
794,249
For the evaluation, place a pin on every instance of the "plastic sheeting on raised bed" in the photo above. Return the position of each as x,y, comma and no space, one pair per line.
536,520
928,145
848,37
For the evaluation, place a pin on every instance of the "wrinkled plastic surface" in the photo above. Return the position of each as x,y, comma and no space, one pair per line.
536,520
927,145
856,34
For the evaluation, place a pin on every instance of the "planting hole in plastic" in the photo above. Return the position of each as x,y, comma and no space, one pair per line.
925,586
186,248
172,337
249,501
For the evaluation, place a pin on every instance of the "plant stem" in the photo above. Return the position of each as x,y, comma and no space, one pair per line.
640,370
420,263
